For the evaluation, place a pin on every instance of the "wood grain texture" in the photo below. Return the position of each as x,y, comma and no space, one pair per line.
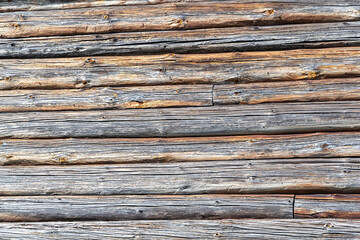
327,206
136,207
187,229
46,5
184,122
90,151
277,37
294,91
182,15
179,95
235,67
106,98
332,175
31,5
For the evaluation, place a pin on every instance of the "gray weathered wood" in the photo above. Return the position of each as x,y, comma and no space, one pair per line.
90,151
327,206
192,121
106,98
191,41
294,91
179,95
235,67
182,15
136,207
187,229
28,5
245,176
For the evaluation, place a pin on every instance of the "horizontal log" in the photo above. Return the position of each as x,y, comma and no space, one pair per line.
26,5
276,176
187,229
294,91
179,95
184,122
327,206
136,207
278,37
177,68
90,151
106,98
182,15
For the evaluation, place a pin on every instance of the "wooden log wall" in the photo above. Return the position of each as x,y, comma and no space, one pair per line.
173,119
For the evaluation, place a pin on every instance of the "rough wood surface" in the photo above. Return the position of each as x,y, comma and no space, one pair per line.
136,207
186,122
234,67
190,41
187,229
179,95
327,206
182,15
35,5
90,151
106,98
294,91
43,5
308,175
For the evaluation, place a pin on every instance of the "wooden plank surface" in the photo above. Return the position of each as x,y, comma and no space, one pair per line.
339,34
235,67
327,206
106,98
179,95
176,122
332,175
136,207
182,15
188,229
45,5
294,91
90,151
26,5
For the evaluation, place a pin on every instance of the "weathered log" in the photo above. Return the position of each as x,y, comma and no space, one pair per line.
90,151
183,15
184,122
191,41
327,206
295,91
179,95
187,229
26,5
176,69
106,98
246,176
135,207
